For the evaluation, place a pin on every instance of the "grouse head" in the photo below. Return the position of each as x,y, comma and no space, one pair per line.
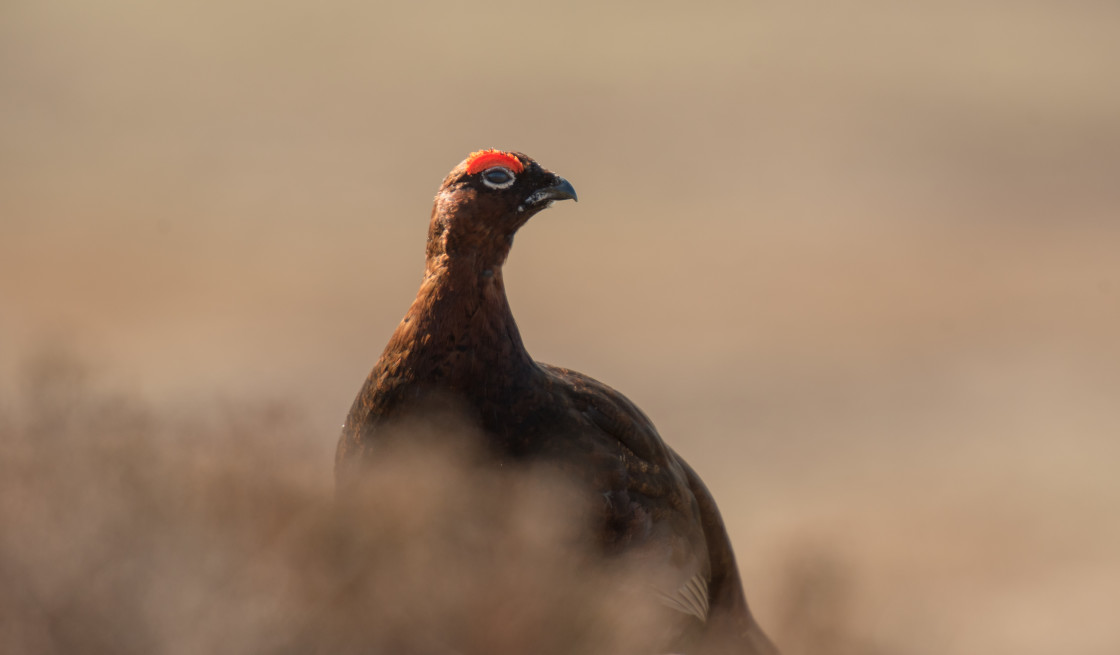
484,200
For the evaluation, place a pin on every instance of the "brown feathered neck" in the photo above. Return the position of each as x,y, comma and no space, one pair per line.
469,231
459,332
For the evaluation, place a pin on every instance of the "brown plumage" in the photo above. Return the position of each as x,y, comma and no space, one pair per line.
459,345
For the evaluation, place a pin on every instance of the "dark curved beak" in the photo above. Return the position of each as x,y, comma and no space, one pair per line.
561,190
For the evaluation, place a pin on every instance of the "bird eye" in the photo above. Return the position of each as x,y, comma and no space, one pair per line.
497,177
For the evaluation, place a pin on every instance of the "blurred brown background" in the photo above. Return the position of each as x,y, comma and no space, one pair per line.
858,261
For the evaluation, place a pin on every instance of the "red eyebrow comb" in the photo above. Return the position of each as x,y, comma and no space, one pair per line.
483,159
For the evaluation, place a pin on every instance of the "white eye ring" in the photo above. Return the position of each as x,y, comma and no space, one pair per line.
511,178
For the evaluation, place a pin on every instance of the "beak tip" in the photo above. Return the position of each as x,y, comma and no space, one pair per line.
563,190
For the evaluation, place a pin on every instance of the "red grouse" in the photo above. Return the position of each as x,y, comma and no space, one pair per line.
459,343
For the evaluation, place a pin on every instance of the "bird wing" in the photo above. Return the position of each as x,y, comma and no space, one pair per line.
650,503
690,598
731,624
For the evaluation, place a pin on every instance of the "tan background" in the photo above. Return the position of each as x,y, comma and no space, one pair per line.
858,261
